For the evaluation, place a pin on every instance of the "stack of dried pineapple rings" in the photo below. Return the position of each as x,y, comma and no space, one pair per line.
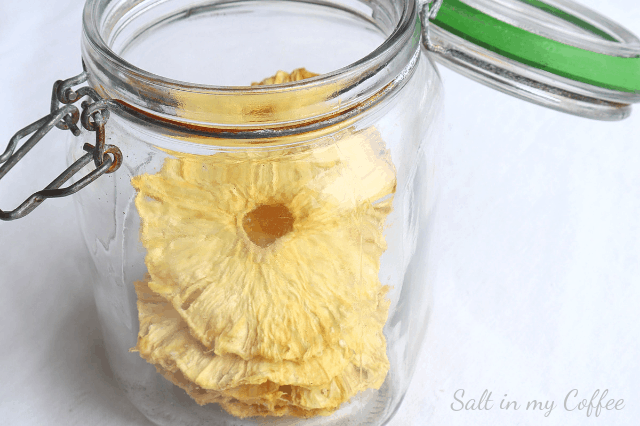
263,292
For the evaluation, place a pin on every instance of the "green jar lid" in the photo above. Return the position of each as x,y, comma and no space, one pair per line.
555,53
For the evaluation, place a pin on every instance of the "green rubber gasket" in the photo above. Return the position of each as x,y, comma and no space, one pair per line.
597,69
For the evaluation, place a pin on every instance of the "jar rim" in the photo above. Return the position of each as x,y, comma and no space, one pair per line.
157,97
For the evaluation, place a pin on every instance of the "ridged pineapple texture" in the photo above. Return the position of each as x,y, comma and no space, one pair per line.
263,292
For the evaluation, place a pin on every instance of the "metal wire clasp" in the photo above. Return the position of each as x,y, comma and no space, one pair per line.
429,10
95,113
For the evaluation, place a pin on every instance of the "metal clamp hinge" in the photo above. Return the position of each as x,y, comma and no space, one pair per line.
429,10
95,113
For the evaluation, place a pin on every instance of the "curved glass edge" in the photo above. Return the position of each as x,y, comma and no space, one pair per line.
563,21
156,97
528,83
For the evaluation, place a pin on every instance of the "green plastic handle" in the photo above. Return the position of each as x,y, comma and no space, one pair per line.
597,69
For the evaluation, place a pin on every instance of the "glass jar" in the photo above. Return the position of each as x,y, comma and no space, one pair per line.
259,249
273,232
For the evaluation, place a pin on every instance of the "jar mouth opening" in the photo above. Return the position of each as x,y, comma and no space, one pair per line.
295,104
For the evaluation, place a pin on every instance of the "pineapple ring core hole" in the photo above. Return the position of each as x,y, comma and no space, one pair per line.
266,223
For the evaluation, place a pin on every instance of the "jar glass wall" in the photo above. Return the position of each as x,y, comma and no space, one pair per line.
260,250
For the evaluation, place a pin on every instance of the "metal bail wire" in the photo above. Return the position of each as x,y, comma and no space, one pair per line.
95,113
433,8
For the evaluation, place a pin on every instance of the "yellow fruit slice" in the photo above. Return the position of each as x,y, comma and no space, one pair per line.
263,292
315,386
257,292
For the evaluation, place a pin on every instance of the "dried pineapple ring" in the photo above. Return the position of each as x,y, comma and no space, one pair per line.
316,386
284,77
287,300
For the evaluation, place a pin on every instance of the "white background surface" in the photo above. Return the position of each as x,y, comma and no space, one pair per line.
536,242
